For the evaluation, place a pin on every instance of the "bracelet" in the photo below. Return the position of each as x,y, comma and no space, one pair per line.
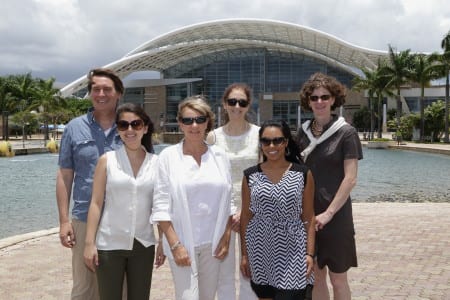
175,246
310,255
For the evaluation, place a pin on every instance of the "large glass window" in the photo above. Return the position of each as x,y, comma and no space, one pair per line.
134,95
286,110
264,71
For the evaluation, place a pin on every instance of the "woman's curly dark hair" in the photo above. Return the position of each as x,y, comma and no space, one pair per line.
337,90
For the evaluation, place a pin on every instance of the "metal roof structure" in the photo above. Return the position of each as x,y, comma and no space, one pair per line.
213,37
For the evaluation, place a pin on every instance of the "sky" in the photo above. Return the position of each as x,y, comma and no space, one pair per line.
66,38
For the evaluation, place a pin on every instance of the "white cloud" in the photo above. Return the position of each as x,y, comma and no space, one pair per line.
65,38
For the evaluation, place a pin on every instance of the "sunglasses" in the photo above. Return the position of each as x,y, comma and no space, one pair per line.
233,101
275,141
315,98
190,121
123,125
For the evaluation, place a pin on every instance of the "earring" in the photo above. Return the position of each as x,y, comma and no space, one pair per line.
287,152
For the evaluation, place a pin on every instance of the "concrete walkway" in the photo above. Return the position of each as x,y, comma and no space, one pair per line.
403,253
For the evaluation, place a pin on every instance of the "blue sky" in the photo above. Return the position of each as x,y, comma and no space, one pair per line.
66,38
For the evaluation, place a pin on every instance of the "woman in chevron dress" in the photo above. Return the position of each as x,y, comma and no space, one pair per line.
277,218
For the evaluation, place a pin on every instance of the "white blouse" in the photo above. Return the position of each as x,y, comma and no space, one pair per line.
171,199
128,203
242,150
204,188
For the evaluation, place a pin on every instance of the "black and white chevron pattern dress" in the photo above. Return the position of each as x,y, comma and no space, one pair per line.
275,236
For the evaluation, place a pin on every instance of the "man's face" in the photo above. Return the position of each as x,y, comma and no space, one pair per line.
103,95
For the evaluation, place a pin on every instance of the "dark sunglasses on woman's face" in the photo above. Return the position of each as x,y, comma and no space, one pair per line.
123,125
190,121
275,141
233,101
315,98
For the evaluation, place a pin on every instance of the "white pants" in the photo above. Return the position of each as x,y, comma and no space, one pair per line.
200,286
226,288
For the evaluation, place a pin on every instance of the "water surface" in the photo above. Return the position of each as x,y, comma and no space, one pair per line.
27,185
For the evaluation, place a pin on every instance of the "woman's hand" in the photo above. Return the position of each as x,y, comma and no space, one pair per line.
309,265
245,267
181,256
91,257
223,246
323,219
160,258
236,221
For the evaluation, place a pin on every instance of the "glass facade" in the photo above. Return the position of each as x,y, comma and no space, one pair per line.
266,72
288,110
134,95
414,102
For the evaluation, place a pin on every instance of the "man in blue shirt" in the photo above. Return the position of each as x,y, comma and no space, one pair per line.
84,140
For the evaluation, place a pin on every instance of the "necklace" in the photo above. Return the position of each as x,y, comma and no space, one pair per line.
316,131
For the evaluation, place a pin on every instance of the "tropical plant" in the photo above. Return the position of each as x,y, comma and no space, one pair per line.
47,101
366,83
376,84
435,120
422,73
405,128
398,72
361,119
442,66
77,106
23,119
22,88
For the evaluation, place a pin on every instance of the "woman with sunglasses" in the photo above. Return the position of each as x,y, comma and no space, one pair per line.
331,148
120,239
193,204
239,138
277,219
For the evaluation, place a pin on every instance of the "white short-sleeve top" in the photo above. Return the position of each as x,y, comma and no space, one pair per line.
128,203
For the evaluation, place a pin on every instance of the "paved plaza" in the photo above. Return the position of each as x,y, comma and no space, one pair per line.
403,253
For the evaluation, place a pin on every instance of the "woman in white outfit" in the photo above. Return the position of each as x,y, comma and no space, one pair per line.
193,204
239,138
119,237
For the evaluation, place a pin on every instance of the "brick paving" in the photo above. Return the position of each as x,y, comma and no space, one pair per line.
403,253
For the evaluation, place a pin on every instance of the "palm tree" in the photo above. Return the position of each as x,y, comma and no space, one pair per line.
398,72
22,88
7,100
382,89
47,101
445,45
367,83
376,84
422,73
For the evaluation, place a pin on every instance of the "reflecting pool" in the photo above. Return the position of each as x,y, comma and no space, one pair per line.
399,175
27,185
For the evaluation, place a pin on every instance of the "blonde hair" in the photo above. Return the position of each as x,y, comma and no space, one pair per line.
200,105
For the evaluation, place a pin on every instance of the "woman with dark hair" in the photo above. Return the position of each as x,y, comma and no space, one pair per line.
146,139
120,239
331,148
239,138
277,218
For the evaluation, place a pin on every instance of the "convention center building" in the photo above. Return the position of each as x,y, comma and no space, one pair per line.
274,58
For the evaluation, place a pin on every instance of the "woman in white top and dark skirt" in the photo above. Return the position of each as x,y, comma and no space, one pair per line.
239,138
120,239
193,204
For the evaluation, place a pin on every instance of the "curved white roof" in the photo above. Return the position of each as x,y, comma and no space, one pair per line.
213,37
